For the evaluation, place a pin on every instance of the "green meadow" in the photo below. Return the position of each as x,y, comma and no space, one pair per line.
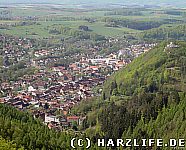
48,17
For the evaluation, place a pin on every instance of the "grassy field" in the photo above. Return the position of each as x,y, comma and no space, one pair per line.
27,31
41,30
99,28
52,11
47,11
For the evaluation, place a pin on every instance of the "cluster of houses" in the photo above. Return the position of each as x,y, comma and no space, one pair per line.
139,49
170,46
50,93
56,90
14,49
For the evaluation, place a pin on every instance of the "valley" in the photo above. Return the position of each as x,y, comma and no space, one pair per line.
97,72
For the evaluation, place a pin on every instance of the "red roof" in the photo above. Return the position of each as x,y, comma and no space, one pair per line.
2,100
72,117
93,67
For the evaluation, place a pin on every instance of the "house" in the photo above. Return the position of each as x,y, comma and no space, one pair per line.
20,104
2,100
71,119
95,68
170,46
51,118
31,89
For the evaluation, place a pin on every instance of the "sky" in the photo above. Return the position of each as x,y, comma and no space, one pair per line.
179,3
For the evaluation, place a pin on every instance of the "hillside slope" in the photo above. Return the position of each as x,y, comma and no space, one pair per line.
160,68
6,145
25,132
176,32
144,99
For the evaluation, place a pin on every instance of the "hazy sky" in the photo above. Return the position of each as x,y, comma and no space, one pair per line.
181,3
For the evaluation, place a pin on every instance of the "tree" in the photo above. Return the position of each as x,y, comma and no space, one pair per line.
74,125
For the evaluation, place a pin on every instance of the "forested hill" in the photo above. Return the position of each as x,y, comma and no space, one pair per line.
161,68
146,99
25,132
148,96
177,32
6,145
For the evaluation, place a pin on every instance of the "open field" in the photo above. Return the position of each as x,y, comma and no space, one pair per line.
47,17
46,10
40,31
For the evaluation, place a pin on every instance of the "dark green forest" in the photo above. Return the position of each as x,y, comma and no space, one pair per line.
136,24
162,33
24,131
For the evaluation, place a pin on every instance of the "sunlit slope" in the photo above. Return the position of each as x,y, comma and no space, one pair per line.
160,68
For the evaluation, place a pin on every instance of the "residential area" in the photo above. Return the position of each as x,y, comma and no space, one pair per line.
51,92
